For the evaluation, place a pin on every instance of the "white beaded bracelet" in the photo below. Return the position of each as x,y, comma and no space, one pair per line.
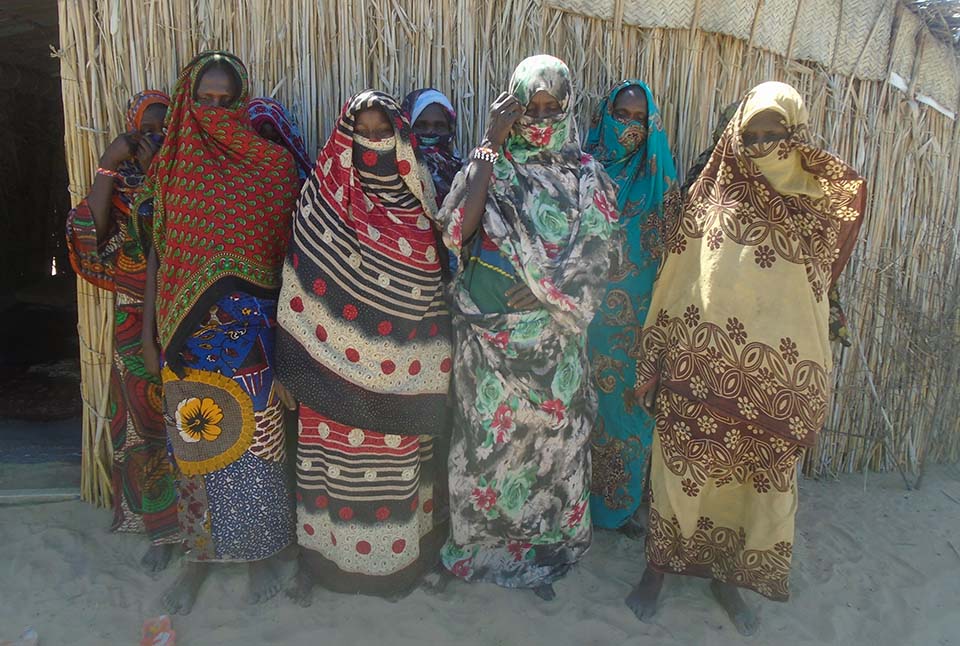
486,154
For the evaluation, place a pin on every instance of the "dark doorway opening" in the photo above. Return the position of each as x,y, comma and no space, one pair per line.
40,402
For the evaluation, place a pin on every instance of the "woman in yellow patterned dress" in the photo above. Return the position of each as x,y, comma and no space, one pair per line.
735,352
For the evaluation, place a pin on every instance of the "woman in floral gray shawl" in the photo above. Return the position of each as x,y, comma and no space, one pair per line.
531,217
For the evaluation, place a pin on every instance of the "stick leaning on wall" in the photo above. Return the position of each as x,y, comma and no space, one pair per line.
83,137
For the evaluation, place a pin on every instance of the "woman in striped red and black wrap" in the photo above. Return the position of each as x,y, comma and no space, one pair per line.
364,346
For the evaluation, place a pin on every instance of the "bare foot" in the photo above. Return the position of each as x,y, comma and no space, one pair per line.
156,558
545,592
180,597
633,529
266,578
744,619
436,581
301,592
643,598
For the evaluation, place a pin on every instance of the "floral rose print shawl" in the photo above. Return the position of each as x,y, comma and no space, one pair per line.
519,461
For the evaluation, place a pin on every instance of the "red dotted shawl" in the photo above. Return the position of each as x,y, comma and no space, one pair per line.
365,334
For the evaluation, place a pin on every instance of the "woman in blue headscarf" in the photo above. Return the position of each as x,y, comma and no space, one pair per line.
627,137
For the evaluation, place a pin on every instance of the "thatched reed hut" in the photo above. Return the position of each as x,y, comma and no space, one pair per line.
883,90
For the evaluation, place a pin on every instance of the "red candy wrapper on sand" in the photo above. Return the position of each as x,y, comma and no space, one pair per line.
158,632
28,637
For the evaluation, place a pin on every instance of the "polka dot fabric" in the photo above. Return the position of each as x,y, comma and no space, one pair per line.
365,335
365,500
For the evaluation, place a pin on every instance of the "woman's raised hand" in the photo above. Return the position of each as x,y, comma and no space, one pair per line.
146,150
503,114
120,149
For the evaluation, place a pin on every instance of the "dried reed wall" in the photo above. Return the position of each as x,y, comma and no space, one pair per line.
897,402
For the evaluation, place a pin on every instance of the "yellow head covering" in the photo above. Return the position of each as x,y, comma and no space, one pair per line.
780,166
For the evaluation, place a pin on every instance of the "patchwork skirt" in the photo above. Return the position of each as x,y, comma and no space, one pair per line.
225,427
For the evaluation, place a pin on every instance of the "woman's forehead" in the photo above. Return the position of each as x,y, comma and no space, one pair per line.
766,118
434,111
372,113
631,96
544,95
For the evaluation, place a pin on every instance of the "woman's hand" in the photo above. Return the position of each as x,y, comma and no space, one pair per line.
519,297
121,148
286,397
503,114
146,150
649,401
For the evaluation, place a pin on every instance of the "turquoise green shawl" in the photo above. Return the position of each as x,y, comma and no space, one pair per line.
638,160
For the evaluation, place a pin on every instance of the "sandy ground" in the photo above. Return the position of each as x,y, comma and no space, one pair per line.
872,566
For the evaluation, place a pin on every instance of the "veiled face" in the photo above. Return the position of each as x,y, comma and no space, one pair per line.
543,106
766,127
373,123
630,106
216,88
269,132
434,120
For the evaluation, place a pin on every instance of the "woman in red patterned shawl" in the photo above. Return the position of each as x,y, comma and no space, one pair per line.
364,346
105,251
222,198
735,354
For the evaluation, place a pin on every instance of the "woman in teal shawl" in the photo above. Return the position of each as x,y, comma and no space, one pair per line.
627,137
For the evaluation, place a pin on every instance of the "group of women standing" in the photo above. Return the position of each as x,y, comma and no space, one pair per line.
457,339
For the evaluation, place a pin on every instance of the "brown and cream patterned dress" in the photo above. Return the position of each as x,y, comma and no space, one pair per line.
737,341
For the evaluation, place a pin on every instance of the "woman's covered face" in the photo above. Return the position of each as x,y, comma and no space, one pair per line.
217,88
374,141
543,106
631,112
374,124
763,132
630,106
269,132
433,121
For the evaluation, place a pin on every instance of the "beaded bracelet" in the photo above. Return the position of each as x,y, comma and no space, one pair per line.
109,173
486,154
